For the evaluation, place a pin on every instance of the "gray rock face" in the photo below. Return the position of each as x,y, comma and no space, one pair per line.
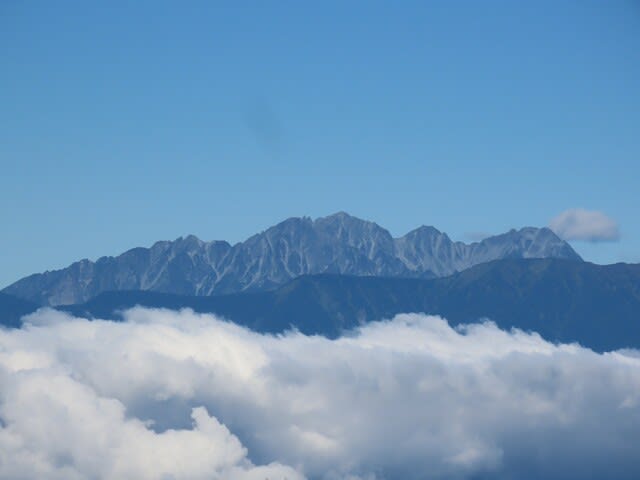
338,243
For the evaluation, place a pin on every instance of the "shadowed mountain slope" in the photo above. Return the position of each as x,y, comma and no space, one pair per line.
565,301
12,309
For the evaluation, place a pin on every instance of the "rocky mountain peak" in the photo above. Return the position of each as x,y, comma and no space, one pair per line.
338,243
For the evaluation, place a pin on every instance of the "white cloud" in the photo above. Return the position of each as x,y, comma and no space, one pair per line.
180,395
581,224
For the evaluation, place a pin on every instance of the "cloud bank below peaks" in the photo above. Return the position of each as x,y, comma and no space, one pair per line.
180,395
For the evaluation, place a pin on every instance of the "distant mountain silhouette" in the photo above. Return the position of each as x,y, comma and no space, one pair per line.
12,309
339,244
564,301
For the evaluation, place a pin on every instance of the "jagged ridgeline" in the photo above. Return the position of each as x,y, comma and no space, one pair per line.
562,300
340,244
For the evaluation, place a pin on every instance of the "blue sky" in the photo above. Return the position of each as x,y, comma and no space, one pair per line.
125,124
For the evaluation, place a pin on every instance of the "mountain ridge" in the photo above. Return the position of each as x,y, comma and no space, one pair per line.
562,300
338,243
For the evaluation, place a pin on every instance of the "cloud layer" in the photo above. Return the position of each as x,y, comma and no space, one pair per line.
581,224
180,395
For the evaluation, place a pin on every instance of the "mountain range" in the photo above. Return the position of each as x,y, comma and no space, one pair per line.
562,300
336,244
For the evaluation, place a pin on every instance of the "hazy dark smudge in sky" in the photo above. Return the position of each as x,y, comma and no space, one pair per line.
264,126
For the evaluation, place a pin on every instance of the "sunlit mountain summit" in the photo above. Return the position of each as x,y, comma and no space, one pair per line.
339,243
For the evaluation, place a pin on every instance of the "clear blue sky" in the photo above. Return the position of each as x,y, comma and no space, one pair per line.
129,122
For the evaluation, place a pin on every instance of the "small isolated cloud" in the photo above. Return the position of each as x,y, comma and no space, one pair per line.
185,396
589,225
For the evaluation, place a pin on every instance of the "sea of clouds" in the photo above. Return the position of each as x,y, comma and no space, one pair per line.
180,395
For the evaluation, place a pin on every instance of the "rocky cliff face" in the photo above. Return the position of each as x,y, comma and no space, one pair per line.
338,243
